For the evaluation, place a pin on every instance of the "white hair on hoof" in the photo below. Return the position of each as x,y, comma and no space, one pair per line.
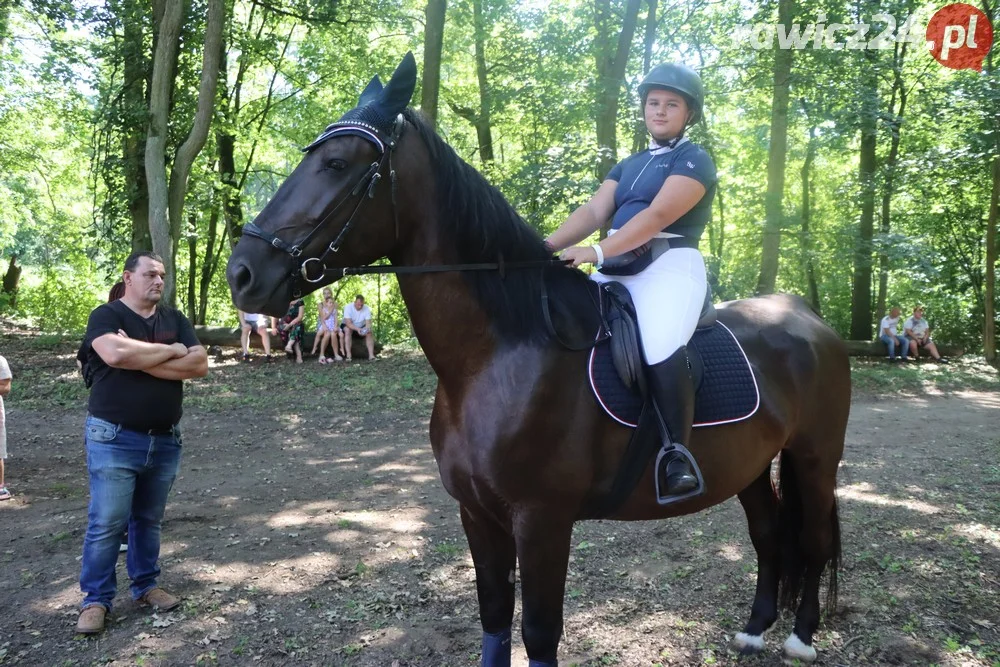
796,649
748,644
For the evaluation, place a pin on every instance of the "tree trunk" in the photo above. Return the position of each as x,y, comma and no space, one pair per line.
639,140
612,57
806,243
210,263
989,325
196,138
11,280
989,288
777,150
135,105
168,30
861,284
225,145
483,130
895,125
430,87
192,240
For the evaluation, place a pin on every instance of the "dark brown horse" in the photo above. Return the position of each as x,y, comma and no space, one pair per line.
520,441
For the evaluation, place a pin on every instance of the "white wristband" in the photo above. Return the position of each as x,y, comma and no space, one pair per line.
600,255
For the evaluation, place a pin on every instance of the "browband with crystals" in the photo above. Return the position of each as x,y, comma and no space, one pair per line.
354,127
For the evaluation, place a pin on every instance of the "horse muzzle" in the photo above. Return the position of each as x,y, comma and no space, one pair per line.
256,288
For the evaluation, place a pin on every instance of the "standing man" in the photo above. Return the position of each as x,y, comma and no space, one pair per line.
5,380
135,355
358,322
918,332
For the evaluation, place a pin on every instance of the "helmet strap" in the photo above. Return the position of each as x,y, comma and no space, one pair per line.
669,143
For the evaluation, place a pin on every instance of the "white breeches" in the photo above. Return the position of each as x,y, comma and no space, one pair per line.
668,298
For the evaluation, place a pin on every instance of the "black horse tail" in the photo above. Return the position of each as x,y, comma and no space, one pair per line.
790,522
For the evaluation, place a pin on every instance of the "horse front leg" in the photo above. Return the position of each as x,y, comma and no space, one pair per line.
543,554
494,556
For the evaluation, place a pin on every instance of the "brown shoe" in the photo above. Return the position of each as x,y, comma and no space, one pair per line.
91,620
160,600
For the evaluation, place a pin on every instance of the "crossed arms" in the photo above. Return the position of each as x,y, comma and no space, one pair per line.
167,362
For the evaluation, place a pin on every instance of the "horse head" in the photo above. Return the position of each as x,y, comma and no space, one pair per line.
337,208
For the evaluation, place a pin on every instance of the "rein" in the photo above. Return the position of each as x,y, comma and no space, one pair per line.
500,265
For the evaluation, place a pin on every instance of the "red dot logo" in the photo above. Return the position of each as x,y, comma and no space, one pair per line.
959,36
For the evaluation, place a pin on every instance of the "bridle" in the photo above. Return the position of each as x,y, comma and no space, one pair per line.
313,269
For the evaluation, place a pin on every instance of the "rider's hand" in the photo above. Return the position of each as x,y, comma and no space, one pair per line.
579,255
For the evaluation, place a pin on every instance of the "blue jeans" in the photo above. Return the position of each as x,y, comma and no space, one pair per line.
890,342
130,478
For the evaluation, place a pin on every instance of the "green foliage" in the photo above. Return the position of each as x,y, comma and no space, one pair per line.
73,115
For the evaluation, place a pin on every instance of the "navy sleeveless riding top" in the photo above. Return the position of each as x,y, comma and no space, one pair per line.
641,176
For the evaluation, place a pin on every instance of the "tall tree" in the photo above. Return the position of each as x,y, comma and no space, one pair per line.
989,314
166,198
481,117
806,214
434,14
137,67
612,58
648,42
861,284
894,121
776,154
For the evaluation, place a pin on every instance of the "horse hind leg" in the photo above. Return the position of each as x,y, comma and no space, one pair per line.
760,503
494,556
811,544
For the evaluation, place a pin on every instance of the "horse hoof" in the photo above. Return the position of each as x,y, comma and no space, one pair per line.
796,649
748,644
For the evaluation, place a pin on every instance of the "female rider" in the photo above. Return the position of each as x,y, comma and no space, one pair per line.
661,197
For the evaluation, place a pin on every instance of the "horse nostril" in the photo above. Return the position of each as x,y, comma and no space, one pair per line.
240,277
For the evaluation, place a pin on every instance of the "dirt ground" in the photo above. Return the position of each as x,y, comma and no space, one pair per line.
309,527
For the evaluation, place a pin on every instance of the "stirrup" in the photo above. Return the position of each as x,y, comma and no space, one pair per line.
681,450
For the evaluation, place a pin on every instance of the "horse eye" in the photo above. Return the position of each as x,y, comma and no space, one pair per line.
336,164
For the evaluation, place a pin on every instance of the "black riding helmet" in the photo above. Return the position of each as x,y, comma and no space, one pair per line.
680,79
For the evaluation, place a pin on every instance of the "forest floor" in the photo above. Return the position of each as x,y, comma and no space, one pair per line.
309,527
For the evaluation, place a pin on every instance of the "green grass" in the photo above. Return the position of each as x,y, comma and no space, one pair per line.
877,376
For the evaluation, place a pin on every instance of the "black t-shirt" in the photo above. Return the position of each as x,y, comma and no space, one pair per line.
134,399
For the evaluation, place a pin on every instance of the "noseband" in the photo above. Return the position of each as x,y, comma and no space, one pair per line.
365,184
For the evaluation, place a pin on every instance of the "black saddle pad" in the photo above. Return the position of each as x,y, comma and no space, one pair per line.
726,387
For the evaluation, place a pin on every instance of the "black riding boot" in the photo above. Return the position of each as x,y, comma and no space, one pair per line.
672,391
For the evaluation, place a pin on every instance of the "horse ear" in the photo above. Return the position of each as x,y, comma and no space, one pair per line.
397,93
371,91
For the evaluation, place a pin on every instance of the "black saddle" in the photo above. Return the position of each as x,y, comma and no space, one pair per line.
612,318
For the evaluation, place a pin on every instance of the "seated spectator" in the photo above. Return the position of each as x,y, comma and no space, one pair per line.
292,330
358,322
888,333
254,324
319,321
918,332
329,331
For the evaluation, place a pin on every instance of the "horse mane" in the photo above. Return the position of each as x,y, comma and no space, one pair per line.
484,227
